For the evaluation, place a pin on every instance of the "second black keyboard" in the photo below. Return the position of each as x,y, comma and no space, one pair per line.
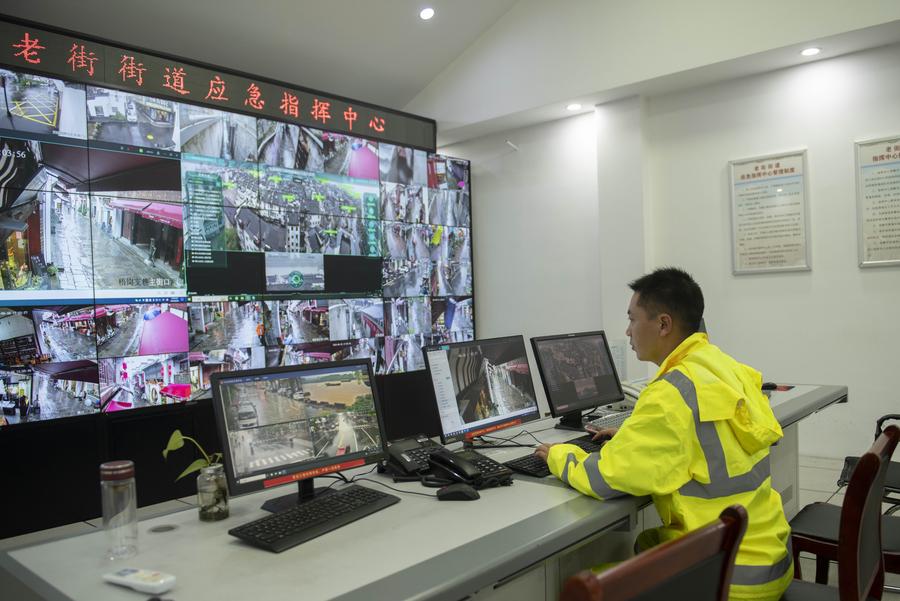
322,514
530,465
585,443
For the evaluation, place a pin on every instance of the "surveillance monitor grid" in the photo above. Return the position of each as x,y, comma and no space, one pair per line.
149,244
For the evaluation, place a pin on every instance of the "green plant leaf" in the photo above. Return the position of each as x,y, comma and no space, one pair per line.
195,466
176,441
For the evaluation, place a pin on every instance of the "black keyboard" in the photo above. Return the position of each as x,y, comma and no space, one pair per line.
585,443
493,473
313,518
530,465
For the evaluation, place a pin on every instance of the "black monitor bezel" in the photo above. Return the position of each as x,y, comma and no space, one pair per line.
554,411
236,488
499,425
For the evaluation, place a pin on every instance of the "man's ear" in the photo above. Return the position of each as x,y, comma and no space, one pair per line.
665,324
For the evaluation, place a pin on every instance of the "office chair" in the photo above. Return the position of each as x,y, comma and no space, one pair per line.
696,566
851,534
891,483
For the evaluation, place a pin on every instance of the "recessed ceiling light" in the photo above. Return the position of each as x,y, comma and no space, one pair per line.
573,107
811,51
426,13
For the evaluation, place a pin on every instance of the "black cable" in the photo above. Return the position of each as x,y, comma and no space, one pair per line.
498,446
835,492
529,433
406,492
507,440
353,479
338,477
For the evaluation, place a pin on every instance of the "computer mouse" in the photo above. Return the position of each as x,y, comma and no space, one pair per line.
769,386
457,492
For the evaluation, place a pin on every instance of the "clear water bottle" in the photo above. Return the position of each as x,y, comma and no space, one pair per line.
119,499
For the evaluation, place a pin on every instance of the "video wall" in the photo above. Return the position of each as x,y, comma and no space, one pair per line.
148,243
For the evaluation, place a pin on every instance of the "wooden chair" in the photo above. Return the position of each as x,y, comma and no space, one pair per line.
856,542
696,566
818,524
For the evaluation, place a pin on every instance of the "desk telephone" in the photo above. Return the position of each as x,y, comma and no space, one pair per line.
415,457
420,458
452,466
408,457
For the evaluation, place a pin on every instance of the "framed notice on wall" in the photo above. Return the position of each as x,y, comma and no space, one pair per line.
769,214
878,201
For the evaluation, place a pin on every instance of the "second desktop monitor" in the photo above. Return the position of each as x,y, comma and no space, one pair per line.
578,373
481,386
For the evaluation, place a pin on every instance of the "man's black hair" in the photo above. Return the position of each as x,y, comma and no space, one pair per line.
673,291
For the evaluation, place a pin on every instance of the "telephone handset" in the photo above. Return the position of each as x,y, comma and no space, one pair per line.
409,456
450,465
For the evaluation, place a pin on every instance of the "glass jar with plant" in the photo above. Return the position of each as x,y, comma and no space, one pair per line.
212,489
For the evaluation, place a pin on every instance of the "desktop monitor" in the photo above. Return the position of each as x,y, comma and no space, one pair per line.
481,386
291,424
578,373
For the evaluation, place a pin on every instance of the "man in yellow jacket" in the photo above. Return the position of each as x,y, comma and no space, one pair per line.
697,441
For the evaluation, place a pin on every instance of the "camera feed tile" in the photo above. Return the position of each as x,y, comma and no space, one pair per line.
137,245
128,174
217,134
140,329
117,118
407,203
408,316
42,106
144,381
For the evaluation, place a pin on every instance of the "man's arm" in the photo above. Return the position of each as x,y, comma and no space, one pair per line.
580,470
650,454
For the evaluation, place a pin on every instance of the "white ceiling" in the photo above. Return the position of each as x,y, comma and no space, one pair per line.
379,51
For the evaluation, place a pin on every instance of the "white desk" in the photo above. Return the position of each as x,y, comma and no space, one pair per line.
419,548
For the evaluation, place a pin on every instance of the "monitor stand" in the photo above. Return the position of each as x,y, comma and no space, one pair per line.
570,421
306,491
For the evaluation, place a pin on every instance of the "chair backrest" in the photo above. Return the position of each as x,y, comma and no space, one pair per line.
696,566
879,425
860,563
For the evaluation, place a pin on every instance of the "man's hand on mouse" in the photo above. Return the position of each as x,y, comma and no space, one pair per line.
600,433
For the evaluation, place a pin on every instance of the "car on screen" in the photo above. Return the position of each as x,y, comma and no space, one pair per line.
246,416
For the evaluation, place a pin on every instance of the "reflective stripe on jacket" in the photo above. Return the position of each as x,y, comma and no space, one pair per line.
697,441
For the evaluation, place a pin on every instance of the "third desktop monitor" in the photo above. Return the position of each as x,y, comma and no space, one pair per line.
578,374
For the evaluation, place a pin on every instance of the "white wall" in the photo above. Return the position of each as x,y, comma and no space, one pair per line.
590,202
535,230
835,324
621,203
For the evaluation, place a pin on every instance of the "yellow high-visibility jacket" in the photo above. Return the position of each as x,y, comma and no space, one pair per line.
697,441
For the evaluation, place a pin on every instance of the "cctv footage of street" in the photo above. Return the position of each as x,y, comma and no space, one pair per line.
294,417
491,380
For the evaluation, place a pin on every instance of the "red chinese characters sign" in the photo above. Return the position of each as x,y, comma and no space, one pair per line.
29,49
82,58
216,90
36,49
